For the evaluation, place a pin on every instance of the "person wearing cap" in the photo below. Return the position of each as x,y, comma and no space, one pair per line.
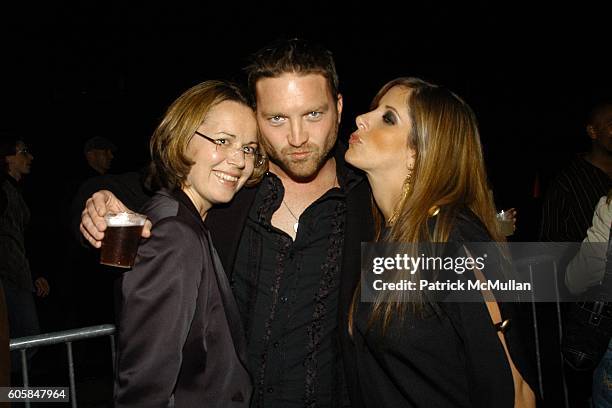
79,306
98,152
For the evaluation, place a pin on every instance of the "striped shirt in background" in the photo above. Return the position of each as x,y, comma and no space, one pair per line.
570,201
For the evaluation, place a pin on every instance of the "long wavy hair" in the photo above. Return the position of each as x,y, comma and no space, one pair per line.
449,174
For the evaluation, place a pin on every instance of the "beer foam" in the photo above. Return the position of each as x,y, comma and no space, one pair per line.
124,219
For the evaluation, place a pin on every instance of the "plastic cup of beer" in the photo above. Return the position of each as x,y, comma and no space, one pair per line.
506,225
121,239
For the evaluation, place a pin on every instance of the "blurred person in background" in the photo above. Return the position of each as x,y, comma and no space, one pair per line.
15,274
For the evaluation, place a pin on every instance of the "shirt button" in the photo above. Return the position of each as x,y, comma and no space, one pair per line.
270,390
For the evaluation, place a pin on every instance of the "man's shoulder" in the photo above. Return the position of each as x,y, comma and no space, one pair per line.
241,201
360,192
231,215
579,168
577,173
7,185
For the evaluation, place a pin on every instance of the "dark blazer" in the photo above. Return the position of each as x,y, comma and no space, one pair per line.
180,339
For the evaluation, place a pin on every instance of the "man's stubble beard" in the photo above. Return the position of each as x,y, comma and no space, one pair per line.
302,170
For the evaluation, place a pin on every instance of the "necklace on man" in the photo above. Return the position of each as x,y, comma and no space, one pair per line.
296,225
297,220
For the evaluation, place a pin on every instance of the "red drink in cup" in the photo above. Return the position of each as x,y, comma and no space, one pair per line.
121,239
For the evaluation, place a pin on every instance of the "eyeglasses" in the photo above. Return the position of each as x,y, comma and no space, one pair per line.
224,146
23,150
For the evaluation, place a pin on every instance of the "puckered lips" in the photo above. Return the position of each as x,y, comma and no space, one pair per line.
355,139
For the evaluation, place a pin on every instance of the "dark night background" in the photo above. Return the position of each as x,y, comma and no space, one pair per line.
74,70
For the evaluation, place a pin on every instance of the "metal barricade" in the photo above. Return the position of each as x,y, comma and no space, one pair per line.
543,277
67,336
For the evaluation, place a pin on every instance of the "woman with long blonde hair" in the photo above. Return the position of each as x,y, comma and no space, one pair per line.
420,149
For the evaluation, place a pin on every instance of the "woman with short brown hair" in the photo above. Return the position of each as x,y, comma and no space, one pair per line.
180,339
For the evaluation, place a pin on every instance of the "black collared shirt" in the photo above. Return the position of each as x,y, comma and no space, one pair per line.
287,293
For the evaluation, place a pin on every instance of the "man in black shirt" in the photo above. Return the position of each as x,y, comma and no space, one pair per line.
286,272
567,213
282,242
571,199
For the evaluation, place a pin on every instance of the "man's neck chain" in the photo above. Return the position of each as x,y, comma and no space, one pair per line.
296,225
